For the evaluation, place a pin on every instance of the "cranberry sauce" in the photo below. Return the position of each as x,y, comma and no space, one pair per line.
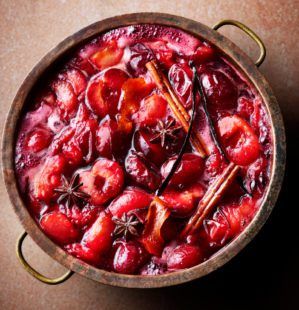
98,139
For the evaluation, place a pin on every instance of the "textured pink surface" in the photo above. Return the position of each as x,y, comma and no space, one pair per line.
28,30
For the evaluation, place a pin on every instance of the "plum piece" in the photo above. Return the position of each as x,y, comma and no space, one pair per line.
141,172
129,257
65,97
38,139
184,256
59,228
184,201
152,109
131,199
103,92
163,53
77,79
154,152
107,56
189,169
180,76
203,53
48,178
82,252
98,238
103,181
240,142
221,92
139,56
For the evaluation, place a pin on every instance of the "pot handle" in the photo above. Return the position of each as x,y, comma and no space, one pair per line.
249,32
33,272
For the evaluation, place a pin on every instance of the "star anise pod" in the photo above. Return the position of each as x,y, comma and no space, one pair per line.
70,192
165,131
126,225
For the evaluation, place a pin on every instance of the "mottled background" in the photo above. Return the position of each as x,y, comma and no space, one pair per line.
265,275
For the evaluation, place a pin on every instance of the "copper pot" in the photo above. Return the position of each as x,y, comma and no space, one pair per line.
239,59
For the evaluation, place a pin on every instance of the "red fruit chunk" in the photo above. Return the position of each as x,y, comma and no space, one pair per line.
151,237
108,56
184,256
141,172
188,171
140,55
183,202
163,54
203,54
133,91
38,139
129,257
103,92
59,228
240,142
48,178
245,107
151,110
77,79
180,76
220,90
131,199
103,181
84,253
98,238
154,152
66,98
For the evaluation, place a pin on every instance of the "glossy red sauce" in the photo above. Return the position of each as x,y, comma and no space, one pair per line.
95,117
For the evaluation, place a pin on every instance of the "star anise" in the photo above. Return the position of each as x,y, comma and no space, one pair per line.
70,192
126,225
165,131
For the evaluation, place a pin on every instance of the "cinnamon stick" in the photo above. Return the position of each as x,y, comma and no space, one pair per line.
176,106
211,197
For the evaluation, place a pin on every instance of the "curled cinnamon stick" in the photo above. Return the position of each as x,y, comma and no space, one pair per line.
211,197
176,106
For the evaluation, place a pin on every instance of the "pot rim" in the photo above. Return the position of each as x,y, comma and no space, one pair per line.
239,59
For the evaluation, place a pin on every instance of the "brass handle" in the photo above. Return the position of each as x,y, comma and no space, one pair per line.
32,271
250,33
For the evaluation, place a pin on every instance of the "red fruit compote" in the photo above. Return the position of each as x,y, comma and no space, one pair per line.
98,138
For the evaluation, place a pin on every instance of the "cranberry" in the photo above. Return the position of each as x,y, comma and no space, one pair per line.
131,199
189,169
103,181
107,56
141,172
184,256
180,76
140,55
241,143
103,92
221,92
98,238
59,228
129,257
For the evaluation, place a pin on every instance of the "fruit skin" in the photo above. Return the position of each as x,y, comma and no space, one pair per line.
104,90
98,238
38,139
48,178
129,257
220,91
59,228
131,199
184,256
141,172
240,142
103,181
188,171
